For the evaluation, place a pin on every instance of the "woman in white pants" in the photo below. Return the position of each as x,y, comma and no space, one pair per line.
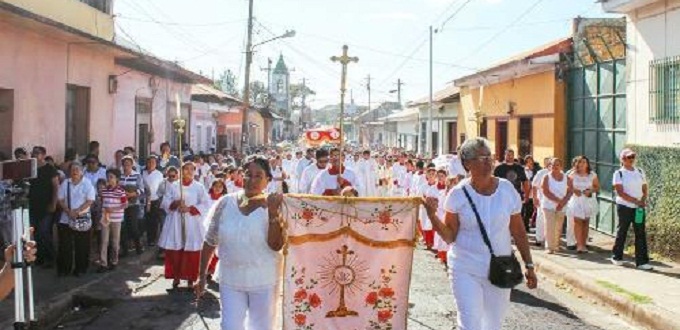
557,190
245,227
480,304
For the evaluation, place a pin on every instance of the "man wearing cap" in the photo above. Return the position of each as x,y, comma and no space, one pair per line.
133,183
152,180
93,171
630,184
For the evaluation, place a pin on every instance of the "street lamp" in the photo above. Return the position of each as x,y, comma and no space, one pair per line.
249,60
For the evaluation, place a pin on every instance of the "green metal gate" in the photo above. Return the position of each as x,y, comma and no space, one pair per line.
596,105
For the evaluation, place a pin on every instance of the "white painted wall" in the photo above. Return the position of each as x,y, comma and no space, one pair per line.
653,33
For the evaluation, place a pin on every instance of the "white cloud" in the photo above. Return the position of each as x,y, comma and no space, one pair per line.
394,16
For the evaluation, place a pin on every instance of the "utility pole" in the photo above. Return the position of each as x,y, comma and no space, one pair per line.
429,121
245,131
269,75
303,108
399,84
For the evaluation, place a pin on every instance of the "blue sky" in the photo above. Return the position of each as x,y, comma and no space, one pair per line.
390,37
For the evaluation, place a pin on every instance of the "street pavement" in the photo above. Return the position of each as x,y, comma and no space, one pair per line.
137,298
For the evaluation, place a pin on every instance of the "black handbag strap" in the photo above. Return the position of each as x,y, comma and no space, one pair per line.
68,193
479,222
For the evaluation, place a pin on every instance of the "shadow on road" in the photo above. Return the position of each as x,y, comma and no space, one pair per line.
524,298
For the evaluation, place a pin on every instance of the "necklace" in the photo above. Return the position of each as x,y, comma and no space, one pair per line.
245,199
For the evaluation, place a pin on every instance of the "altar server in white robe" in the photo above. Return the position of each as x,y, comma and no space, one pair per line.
182,258
336,181
399,187
310,173
442,188
367,170
302,164
384,177
289,168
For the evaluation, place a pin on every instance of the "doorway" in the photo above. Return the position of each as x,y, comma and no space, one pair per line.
501,138
452,132
6,121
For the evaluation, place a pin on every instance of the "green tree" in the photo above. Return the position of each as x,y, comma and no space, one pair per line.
259,96
227,82
297,93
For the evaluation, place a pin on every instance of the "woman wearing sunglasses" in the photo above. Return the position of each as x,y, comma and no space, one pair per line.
630,184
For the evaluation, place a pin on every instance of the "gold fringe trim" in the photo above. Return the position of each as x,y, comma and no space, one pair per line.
353,200
298,240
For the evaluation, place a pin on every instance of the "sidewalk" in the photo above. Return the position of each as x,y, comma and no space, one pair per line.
54,296
648,298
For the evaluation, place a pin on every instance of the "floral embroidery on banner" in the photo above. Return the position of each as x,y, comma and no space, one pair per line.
305,299
381,298
308,214
385,218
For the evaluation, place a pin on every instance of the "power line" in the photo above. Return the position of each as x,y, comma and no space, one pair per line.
441,28
169,23
502,31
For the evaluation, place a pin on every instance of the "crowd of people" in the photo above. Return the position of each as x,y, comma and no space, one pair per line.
216,216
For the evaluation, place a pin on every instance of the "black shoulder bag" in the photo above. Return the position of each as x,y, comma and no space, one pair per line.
83,222
504,271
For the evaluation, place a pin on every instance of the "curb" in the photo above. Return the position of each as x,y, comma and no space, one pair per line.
647,316
54,309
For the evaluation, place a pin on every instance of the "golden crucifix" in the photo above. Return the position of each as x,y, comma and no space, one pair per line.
343,276
344,60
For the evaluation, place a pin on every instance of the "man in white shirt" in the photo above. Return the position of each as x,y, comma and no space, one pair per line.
399,187
152,180
93,172
288,165
367,169
538,195
310,172
302,164
337,180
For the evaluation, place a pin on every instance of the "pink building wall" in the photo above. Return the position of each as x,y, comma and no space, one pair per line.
34,65
133,84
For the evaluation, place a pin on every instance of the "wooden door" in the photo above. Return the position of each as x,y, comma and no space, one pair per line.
501,138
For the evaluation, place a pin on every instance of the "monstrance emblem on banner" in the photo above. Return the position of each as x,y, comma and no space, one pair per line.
345,277
348,262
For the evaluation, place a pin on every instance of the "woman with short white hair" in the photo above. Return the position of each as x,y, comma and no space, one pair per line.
483,217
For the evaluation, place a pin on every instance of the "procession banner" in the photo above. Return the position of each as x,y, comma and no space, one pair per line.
348,262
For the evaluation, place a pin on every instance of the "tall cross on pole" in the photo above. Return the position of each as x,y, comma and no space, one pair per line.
344,60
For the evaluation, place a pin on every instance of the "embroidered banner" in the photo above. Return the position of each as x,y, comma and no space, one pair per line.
348,262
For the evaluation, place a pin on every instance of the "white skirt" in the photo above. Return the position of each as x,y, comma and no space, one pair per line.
583,207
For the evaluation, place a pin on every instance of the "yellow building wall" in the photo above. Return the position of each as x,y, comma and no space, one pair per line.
72,13
538,96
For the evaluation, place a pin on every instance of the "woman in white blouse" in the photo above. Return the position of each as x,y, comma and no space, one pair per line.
75,198
245,228
480,304
583,204
557,190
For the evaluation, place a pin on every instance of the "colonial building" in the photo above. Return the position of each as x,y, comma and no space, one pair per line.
66,81
518,103
445,108
207,103
653,61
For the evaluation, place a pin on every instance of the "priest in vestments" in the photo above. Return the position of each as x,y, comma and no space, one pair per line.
400,187
367,170
182,255
337,180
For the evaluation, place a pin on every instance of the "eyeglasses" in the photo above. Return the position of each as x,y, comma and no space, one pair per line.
631,157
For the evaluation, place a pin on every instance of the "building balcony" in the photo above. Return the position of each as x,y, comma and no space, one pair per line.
89,16
624,6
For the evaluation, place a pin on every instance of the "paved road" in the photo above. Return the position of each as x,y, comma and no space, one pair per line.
144,304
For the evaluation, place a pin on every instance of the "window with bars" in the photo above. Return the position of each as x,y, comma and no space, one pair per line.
664,90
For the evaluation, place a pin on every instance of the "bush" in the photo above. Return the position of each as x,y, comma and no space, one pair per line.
662,167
